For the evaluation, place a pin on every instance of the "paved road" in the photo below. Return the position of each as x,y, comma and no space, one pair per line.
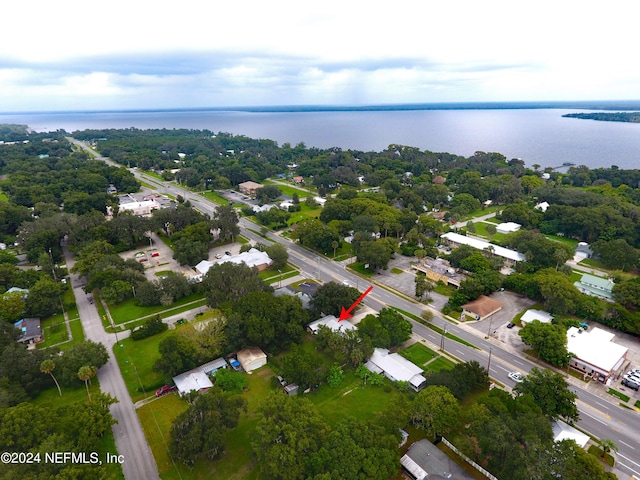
600,415
130,440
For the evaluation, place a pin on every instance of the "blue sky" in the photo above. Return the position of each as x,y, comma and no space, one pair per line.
79,55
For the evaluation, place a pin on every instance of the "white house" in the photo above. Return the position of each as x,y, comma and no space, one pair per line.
542,206
508,227
331,322
396,368
252,258
198,379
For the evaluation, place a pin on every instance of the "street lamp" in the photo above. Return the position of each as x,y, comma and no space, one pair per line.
280,278
489,363
489,332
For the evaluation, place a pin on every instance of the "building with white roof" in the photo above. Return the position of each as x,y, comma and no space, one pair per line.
197,380
252,258
396,368
511,257
563,431
540,315
594,353
542,206
331,322
508,227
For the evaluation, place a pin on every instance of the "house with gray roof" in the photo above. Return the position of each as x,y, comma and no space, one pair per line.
425,461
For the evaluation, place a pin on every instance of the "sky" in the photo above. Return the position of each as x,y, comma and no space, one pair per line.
140,54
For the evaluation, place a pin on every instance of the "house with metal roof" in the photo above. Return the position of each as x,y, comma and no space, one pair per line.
596,286
424,461
396,368
198,379
511,257
331,322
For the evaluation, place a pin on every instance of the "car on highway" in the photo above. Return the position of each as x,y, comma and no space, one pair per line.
516,376
165,389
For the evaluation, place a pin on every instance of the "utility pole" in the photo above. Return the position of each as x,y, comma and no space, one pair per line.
444,334
489,363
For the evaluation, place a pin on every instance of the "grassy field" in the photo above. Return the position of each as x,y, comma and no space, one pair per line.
288,190
481,231
136,359
359,267
128,310
267,274
350,399
418,354
305,212
215,197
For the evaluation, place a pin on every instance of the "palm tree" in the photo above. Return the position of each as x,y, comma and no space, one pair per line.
85,374
334,245
608,446
47,367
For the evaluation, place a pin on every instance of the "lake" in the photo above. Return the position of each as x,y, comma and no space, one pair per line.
537,135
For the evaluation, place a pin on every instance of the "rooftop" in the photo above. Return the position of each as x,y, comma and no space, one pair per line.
331,322
483,305
540,315
424,460
595,347
482,245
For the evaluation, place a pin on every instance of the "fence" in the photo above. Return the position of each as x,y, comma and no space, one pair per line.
468,460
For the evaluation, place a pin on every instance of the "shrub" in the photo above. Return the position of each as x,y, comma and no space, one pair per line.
149,328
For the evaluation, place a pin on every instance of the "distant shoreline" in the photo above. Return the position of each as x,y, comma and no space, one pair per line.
626,117
586,105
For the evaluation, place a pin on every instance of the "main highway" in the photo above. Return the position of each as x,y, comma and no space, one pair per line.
600,415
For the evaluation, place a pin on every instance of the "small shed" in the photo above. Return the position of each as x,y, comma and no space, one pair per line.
291,389
252,358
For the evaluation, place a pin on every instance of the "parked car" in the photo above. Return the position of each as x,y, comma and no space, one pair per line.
633,377
631,384
516,376
511,325
227,253
165,389
218,256
155,254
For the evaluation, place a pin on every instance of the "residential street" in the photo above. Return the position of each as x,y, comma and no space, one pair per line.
129,436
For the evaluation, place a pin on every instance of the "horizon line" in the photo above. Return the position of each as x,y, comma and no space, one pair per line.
474,105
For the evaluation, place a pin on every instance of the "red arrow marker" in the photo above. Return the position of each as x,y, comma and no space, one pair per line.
347,313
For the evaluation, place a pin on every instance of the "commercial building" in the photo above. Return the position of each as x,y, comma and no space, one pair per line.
481,308
439,270
594,353
249,188
511,257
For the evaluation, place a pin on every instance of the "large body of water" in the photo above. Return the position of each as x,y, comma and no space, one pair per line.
537,136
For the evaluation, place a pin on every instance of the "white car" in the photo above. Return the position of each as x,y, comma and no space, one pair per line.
516,376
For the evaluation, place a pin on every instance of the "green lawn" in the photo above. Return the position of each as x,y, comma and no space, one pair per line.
418,354
128,310
359,267
305,212
567,241
481,231
215,197
136,359
266,274
288,190
440,363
